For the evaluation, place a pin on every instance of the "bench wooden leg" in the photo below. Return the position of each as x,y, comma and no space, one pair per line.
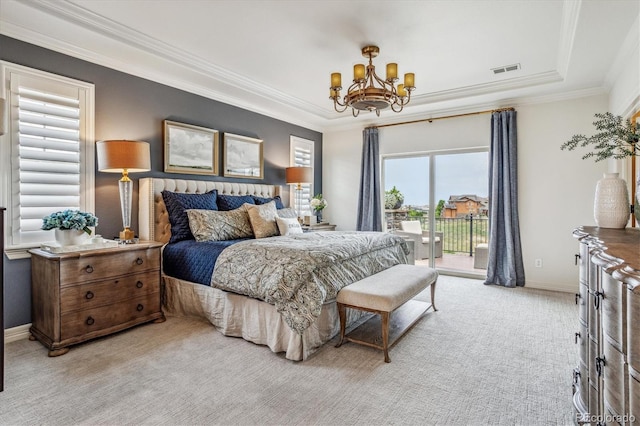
433,296
342,311
385,335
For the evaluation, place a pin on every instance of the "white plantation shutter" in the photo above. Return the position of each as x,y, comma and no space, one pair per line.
52,166
301,151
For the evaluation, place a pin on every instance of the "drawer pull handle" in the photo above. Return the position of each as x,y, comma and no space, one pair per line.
139,261
88,269
577,256
89,295
139,284
140,307
577,335
577,297
599,364
596,299
90,321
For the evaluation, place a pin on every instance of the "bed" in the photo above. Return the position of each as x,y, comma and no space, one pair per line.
296,330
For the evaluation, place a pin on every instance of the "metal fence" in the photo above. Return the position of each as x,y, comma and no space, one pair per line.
462,234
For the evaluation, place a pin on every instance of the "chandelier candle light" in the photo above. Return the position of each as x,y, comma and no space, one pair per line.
122,156
363,93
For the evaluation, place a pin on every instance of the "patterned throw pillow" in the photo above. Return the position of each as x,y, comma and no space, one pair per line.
177,203
263,219
211,225
287,212
277,199
288,226
232,202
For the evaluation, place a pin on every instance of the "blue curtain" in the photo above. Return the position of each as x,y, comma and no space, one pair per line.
369,206
505,265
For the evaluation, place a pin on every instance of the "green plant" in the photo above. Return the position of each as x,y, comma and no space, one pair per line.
616,138
415,213
393,198
70,219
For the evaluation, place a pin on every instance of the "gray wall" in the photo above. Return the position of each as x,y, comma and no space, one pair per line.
129,107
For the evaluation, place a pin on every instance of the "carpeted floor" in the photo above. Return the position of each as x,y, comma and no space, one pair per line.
489,356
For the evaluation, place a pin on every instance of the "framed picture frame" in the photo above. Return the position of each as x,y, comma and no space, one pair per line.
190,149
243,157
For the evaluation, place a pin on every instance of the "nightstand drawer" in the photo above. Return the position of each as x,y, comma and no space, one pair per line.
125,313
106,292
103,266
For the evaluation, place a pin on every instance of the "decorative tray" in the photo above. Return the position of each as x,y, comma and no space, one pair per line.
54,247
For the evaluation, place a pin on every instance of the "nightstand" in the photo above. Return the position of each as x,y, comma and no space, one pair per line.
319,227
78,296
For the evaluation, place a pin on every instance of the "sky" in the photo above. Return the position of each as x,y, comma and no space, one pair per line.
456,174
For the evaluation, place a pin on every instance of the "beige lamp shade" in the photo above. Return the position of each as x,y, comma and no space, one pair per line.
115,156
298,175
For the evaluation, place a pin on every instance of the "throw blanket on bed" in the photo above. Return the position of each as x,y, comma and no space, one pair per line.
299,273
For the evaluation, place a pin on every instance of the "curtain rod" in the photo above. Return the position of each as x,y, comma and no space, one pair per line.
447,116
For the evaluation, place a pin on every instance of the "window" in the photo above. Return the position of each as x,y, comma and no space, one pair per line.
48,161
301,153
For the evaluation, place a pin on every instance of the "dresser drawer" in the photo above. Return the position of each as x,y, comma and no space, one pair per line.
86,296
583,344
633,334
99,267
124,313
614,311
634,396
616,376
583,299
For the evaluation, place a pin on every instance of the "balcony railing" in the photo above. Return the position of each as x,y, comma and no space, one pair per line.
461,235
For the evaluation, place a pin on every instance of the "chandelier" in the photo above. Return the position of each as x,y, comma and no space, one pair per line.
370,92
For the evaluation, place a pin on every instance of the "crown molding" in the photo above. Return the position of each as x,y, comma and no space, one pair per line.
568,28
190,73
514,102
547,77
278,105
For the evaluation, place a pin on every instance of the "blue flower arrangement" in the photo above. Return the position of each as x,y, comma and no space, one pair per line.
70,219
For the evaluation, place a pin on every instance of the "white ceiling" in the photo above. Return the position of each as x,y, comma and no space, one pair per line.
275,57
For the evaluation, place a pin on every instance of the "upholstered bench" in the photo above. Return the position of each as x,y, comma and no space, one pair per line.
387,291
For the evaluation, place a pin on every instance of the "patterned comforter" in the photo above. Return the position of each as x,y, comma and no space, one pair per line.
299,273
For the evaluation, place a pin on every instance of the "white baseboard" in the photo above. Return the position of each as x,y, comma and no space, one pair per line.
563,287
16,333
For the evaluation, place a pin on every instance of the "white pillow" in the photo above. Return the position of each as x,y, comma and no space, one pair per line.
288,225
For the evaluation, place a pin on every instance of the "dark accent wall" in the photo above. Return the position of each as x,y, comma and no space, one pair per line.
129,107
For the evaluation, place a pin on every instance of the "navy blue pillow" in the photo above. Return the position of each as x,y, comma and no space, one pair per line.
178,202
277,199
232,202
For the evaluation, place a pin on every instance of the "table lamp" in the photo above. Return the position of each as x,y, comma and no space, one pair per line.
297,176
122,156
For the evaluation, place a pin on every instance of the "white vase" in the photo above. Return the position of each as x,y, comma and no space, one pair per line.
611,204
70,237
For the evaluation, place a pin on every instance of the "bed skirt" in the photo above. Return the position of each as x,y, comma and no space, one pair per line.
252,319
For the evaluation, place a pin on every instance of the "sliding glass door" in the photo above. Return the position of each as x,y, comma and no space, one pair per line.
454,186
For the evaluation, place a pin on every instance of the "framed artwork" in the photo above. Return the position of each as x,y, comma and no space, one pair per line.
243,157
190,149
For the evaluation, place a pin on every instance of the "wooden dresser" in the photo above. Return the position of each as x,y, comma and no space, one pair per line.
606,381
82,295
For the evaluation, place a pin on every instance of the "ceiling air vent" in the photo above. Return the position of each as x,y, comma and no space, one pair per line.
505,68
